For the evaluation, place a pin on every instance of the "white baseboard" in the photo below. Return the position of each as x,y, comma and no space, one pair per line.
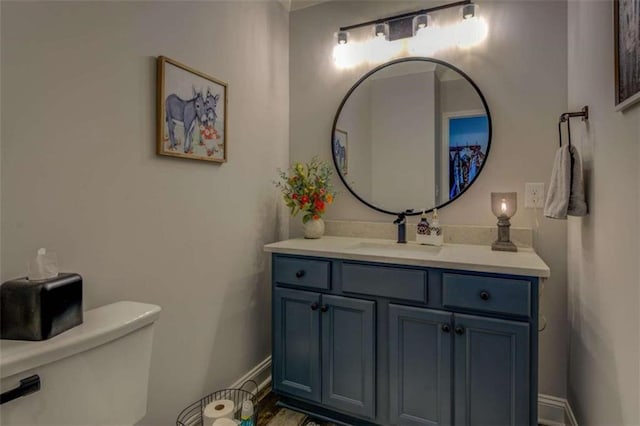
261,374
554,411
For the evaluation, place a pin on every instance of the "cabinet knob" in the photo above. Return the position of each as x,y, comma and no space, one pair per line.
446,328
300,273
314,306
459,330
324,308
484,295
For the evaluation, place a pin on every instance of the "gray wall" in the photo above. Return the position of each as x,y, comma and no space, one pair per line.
402,145
521,68
604,253
458,95
355,119
80,175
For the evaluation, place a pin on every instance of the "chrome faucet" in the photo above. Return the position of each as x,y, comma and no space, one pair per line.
401,221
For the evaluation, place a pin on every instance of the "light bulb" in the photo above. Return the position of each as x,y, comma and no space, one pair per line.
420,22
342,37
469,11
380,30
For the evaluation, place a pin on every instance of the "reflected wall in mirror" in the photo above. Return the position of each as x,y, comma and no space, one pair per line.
411,134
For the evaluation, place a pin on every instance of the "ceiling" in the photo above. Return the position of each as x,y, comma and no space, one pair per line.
292,5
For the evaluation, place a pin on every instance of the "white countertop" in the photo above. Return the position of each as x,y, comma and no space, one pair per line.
449,256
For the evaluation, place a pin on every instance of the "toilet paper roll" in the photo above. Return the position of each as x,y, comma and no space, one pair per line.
225,422
219,409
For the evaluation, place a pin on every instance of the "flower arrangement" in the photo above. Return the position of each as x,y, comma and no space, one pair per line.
307,188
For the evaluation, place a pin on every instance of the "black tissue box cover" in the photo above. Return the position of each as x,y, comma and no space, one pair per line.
39,310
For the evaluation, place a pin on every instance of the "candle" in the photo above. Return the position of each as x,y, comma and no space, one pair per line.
503,206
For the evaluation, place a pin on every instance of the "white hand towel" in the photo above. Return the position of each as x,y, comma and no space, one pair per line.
566,189
577,201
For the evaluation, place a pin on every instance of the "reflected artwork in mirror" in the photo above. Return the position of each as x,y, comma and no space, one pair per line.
413,133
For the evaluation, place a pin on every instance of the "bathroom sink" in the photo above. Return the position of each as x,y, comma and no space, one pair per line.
395,249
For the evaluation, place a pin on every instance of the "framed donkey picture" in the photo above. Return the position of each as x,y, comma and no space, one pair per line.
192,113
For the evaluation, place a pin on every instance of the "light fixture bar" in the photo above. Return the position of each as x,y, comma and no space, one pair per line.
406,15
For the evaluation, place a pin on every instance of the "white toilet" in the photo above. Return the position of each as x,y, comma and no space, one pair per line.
94,374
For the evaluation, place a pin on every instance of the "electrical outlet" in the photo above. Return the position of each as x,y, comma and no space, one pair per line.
534,195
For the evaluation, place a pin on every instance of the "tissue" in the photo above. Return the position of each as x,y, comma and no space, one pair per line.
43,267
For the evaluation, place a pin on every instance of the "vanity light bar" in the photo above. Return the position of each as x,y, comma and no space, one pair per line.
410,15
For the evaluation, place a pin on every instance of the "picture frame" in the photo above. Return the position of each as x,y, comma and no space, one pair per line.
341,150
460,135
191,113
627,52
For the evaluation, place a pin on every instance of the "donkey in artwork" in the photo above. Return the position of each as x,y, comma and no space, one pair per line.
189,112
210,118
210,105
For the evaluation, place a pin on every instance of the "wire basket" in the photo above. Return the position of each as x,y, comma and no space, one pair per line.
193,415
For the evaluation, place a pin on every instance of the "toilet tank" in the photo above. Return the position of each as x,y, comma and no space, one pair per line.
94,374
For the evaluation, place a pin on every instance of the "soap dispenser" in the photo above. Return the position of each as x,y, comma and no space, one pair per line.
422,229
434,234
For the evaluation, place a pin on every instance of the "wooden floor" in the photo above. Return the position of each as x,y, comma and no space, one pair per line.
271,415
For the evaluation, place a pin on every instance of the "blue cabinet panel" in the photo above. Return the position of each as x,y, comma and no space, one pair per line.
348,355
420,346
491,371
296,346
384,281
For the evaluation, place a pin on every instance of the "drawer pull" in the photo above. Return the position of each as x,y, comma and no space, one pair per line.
459,330
446,328
29,385
324,308
484,295
300,274
314,306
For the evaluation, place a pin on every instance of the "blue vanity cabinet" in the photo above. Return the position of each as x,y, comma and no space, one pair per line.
296,343
348,355
491,371
420,349
387,344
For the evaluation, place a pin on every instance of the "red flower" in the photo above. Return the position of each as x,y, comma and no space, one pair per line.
294,196
304,199
316,217
319,204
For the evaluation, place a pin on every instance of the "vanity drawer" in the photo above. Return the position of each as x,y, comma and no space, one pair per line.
395,283
302,272
497,295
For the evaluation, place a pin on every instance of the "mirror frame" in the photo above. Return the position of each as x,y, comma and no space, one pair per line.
378,68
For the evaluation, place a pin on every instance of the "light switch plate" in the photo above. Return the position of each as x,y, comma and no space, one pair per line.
534,195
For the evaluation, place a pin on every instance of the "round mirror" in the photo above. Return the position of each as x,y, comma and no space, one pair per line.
413,133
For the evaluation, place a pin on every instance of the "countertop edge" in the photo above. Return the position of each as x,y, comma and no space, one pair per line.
435,263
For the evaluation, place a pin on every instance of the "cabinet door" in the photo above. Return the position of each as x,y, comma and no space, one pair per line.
348,355
296,345
420,345
491,371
